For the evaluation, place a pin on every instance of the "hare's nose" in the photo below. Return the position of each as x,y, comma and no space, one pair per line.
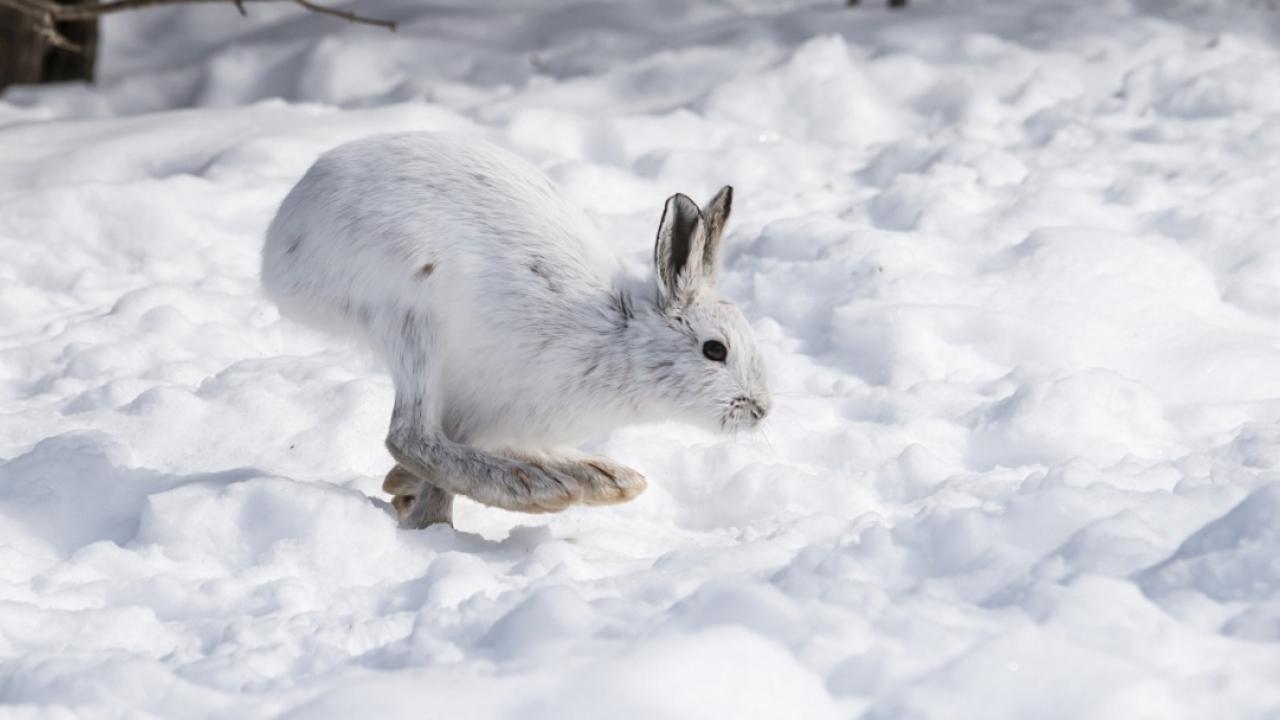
759,408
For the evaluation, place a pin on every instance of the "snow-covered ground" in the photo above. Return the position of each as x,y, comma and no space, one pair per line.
1014,266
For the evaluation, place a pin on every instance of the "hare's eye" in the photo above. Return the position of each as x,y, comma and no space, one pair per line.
715,350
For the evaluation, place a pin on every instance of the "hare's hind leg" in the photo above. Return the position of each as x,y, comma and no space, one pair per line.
509,480
408,339
418,443
417,502
484,477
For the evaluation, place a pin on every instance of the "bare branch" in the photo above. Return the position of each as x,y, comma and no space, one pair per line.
346,15
49,12
30,8
49,31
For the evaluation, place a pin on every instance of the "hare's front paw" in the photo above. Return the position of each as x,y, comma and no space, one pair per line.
404,486
400,481
605,482
402,504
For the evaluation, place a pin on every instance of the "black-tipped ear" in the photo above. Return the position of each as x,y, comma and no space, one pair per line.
716,214
680,247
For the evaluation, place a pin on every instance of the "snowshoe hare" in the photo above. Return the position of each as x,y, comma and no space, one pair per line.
508,326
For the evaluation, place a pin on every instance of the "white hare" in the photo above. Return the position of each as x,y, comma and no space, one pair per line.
508,326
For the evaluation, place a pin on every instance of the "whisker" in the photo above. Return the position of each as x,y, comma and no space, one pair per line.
787,412
764,435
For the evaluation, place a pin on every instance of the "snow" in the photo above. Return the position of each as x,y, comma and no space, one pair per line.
1013,266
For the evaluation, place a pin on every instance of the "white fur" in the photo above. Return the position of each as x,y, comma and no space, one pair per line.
504,320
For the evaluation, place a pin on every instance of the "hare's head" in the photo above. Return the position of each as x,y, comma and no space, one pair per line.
703,346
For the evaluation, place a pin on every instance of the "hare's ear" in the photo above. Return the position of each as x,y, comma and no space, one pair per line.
679,251
716,214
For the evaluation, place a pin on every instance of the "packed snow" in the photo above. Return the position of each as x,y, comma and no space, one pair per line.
1013,264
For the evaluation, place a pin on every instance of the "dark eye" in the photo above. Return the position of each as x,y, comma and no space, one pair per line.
715,350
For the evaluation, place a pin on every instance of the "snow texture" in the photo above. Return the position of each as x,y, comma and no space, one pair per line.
1013,266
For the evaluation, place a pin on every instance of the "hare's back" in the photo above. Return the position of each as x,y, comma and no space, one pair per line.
449,195
401,219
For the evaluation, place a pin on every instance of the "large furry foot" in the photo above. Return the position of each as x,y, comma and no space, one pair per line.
599,481
546,484
608,483
508,479
542,486
521,484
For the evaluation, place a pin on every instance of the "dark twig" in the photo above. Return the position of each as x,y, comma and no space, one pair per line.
48,14
49,31
345,15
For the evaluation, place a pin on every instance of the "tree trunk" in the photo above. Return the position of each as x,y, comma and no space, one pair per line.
26,58
21,49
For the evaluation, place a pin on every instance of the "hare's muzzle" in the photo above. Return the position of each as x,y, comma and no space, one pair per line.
745,411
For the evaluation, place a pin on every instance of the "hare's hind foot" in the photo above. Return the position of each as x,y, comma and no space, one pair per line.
542,484
612,483
416,502
498,480
605,482
597,480
551,483
508,479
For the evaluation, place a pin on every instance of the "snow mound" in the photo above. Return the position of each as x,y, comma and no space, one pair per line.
1011,265
1235,558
